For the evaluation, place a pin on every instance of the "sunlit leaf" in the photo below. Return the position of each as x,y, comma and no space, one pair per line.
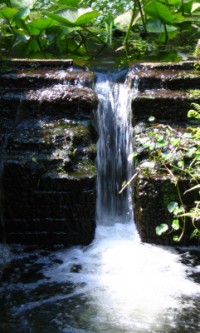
162,228
172,205
73,17
159,11
195,6
173,2
70,3
8,12
175,224
174,141
151,118
193,114
41,24
23,3
196,106
148,165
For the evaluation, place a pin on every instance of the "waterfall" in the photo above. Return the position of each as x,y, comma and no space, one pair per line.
116,284
113,148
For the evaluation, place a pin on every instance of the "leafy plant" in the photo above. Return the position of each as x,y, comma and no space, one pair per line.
176,155
75,28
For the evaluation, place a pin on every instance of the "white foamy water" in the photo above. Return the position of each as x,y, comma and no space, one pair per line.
129,286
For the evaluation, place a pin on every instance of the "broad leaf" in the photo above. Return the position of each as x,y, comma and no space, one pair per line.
159,11
22,3
8,13
41,24
70,3
187,6
195,6
173,2
74,17
87,17
22,13
156,26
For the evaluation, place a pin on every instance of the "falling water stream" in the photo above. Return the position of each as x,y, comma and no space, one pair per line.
117,284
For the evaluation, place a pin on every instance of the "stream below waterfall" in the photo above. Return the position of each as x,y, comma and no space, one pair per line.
116,284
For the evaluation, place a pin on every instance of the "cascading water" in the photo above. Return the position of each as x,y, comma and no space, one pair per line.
117,284
114,145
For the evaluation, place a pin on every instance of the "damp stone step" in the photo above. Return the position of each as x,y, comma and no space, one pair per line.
174,76
48,150
168,79
27,79
164,104
73,102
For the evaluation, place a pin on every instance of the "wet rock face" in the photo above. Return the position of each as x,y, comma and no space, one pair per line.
48,149
165,95
152,195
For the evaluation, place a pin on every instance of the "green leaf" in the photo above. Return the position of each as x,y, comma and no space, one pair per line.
22,3
87,17
8,13
151,118
193,114
176,238
22,14
173,205
195,6
156,26
196,106
175,141
194,233
159,11
160,229
173,2
41,24
70,3
148,165
73,17
181,164
175,224
162,143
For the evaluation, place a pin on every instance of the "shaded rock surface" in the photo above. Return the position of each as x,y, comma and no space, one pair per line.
165,93
48,149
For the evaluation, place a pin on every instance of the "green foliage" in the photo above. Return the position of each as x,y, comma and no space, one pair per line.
177,155
82,28
194,113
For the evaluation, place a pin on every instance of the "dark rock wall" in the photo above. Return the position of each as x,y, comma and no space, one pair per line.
48,149
164,93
